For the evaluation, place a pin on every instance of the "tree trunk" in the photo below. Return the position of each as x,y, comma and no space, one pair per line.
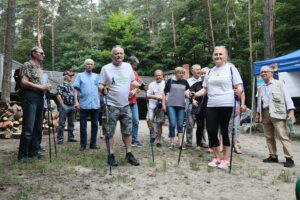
250,34
269,24
210,24
91,24
227,19
174,30
8,54
38,24
52,38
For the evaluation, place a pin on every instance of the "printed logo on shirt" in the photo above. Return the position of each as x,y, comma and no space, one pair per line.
121,78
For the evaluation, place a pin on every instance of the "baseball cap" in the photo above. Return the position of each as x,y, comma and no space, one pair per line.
69,73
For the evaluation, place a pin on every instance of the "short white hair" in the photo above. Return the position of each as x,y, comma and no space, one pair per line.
195,66
88,60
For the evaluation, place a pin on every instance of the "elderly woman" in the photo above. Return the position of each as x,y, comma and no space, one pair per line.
176,89
219,85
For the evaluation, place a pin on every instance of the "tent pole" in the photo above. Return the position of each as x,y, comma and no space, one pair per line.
252,103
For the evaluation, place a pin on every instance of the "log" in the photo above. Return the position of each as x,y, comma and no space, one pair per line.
6,134
16,123
8,124
16,135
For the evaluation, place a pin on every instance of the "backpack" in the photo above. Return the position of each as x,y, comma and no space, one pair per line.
17,78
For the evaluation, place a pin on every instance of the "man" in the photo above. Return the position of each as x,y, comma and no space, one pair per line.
196,71
155,112
32,102
274,106
117,78
65,98
134,62
86,90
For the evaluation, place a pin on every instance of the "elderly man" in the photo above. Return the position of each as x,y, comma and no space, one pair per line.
86,90
115,80
196,71
65,98
274,106
155,113
32,102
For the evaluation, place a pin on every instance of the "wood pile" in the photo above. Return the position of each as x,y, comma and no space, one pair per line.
53,124
11,117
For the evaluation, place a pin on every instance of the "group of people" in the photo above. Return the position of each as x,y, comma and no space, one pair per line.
212,98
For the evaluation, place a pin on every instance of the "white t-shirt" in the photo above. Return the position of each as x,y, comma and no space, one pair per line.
155,89
118,79
219,85
192,80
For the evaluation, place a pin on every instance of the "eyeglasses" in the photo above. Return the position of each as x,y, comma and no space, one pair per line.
42,53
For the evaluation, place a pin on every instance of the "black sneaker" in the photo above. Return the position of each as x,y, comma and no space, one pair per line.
72,140
25,160
131,159
82,148
158,145
111,160
94,146
271,159
289,163
59,142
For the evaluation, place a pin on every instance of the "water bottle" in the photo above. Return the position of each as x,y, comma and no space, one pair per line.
290,125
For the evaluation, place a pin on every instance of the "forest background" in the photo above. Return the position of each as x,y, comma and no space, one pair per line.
161,33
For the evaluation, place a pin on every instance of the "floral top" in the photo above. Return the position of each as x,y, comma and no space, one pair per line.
32,71
65,90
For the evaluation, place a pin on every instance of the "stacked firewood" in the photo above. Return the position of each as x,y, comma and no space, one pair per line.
53,120
11,117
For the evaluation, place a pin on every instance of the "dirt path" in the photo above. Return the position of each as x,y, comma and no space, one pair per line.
192,179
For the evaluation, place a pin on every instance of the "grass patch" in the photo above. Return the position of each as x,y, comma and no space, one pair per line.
194,165
255,172
285,176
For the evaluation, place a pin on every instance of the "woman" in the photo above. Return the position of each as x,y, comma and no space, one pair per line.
218,85
176,89
199,108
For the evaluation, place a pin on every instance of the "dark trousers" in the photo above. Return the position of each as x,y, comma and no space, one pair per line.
200,128
218,117
32,104
94,113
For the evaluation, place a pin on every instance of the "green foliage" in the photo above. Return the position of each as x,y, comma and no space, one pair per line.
144,28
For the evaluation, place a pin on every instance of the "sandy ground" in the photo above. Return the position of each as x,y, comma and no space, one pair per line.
192,179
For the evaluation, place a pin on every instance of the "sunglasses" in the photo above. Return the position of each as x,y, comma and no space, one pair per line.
42,53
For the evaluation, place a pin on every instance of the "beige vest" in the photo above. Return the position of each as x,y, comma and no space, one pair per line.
277,105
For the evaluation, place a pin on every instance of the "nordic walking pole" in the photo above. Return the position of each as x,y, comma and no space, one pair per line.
151,129
108,135
232,134
49,131
53,134
184,129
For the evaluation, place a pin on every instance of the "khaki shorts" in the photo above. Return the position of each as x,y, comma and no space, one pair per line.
116,114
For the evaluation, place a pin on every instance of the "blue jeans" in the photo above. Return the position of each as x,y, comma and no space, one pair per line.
83,126
176,117
33,105
64,113
135,122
